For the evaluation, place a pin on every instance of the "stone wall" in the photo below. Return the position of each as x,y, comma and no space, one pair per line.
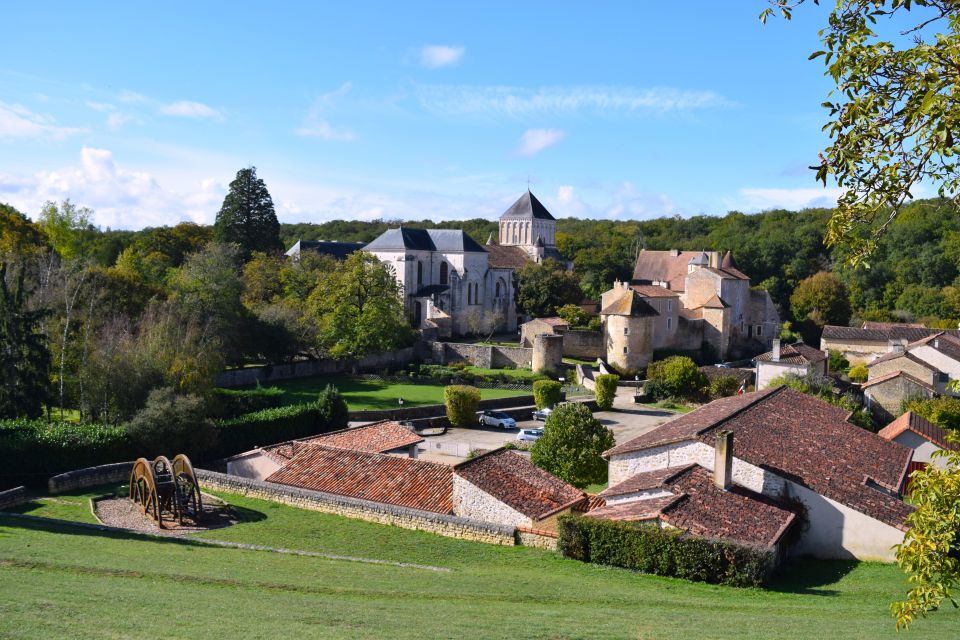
547,353
12,497
445,525
90,477
585,345
308,368
434,410
537,538
482,355
469,501
885,399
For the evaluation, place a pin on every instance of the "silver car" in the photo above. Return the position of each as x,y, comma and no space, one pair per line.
497,419
542,414
529,435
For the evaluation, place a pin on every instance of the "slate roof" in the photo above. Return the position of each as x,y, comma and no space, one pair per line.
403,238
796,353
945,343
527,207
506,257
890,331
920,426
800,438
403,482
630,303
518,483
895,374
869,324
697,505
654,291
338,250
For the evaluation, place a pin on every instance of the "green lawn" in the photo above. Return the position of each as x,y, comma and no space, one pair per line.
63,582
516,374
363,394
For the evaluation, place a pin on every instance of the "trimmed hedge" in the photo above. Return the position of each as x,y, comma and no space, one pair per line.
546,393
462,402
665,552
268,426
605,390
227,403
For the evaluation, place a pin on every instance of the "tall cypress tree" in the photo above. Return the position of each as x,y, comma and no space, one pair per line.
247,217
24,357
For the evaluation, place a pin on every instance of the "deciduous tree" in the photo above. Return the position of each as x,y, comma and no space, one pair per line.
571,445
545,287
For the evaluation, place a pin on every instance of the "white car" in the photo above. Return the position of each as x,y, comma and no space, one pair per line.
529,435
497,419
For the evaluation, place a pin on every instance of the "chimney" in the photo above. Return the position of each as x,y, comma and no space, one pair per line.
936,343
775,357
723,460
895,346
674,253
714,259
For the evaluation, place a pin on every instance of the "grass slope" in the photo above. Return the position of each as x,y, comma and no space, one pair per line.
361,393
59,582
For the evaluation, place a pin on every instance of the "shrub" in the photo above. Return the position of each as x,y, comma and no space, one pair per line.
269,426
665,552
226,403
723,386
571,445
837,362
605,390
859,373
462,402
170,423
332,409
677,376
546,393
943,412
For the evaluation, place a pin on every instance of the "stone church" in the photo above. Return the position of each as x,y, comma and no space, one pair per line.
454,284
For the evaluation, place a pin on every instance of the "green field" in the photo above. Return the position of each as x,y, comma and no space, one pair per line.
361,393
58,581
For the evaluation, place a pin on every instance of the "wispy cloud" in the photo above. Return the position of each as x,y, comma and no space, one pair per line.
189,109
521,101
534,141
752,199
116,120
17,121
131,96
315,125
102,107
439,55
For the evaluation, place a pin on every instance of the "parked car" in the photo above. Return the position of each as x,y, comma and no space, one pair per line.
722,365
529,435
542,414
497,419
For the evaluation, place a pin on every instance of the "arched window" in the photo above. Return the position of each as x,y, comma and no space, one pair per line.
419,272
476,293
443,273
498,289
469,293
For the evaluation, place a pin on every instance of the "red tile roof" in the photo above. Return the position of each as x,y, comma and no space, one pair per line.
697,505
800,438
796,353
920,426
660,266
892,325
593,501
378,437
403,482
518,483
896,374
730,273
893,355
554,322
630,303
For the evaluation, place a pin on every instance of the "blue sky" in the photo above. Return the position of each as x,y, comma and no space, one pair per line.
438,110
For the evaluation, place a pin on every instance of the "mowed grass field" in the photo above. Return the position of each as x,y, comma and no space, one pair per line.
59,581
361,393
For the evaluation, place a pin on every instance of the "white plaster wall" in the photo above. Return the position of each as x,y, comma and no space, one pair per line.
943,363
767,371
923,449
677,454
469,501
255,466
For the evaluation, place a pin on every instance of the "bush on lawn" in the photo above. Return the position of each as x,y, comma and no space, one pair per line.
462,402
665,552
333,409
859,373
227,403
723,386
605,390
546,393
677,376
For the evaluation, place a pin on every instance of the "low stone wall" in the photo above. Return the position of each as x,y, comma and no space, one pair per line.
434,410
12,497
482,355
445,525
538,538
584,344
308,368
90,477
516,356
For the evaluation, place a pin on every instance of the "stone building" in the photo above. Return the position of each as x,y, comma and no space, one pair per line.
528,226
628,328
884,395
797,359
860,345
779,447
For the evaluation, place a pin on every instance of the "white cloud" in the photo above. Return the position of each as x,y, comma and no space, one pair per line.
17,121
750,199
629,203
189,109
316,126
116,120
438,55
102,107
534,141
523,102
131,96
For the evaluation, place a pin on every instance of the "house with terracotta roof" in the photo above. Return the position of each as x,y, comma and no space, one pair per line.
798,359
862,344
920,435
386,437
796,452
505,487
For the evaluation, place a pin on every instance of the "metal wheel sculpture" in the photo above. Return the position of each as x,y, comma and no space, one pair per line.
161,487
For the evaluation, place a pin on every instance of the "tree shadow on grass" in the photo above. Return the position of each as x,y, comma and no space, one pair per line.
811,577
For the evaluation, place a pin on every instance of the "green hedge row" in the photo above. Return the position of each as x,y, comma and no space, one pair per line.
664,552
268,426
227,403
